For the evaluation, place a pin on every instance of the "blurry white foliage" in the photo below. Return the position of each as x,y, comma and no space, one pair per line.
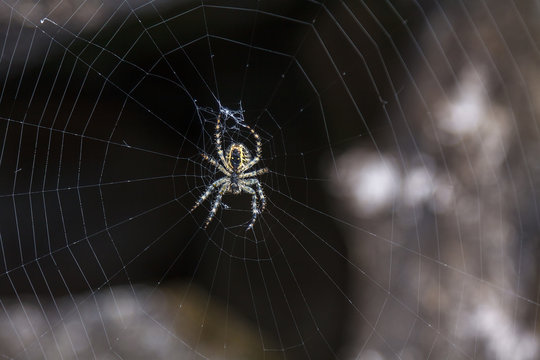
417,186
470,114
463,114
373,183
372,180
504,340
371,355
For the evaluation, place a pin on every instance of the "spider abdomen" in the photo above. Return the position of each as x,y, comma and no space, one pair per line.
237,156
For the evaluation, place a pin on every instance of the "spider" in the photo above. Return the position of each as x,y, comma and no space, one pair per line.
234,165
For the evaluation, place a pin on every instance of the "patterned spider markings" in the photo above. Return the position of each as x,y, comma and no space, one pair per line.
234,164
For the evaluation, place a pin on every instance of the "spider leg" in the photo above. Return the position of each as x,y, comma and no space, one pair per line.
253,173
211,188
212,161
218,140
254,207
261,195
216,203
258,151
260,192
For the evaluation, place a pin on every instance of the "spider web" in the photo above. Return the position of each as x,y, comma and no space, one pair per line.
401,141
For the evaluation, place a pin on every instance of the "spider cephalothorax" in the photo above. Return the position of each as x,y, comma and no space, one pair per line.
234,163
